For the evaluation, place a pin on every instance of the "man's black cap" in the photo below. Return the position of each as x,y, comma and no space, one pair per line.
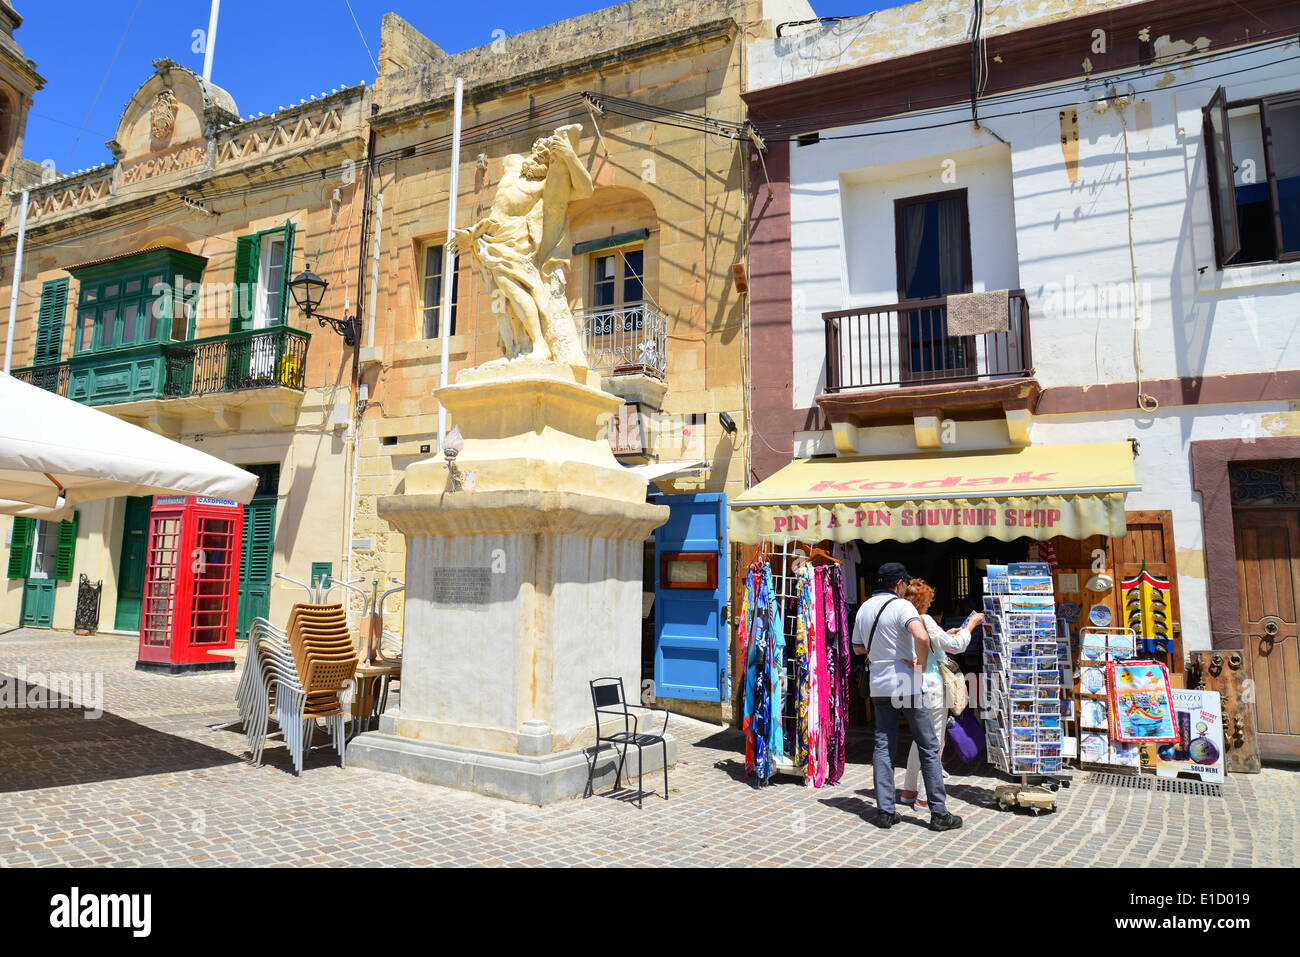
890,574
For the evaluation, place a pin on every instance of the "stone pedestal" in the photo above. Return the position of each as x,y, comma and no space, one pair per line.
520,588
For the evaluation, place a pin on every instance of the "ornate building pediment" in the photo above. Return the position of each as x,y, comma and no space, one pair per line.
165,125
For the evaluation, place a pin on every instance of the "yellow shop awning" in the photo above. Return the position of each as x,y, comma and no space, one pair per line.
1040,491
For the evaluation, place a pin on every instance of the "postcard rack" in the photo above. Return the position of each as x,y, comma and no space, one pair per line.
1024,687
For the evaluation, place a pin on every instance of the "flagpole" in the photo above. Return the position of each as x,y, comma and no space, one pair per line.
211,40
449,260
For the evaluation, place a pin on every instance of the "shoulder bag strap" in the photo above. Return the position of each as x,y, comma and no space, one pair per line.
872,635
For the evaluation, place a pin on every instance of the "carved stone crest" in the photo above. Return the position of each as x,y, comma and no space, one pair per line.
163,115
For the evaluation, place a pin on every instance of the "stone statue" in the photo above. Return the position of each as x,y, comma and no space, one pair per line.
522,247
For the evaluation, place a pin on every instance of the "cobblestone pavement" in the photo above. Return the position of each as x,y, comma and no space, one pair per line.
149,783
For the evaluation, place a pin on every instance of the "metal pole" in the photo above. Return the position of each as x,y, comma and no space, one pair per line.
449,260
17,281
212,40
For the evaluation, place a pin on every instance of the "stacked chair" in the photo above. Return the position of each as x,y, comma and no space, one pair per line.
298,676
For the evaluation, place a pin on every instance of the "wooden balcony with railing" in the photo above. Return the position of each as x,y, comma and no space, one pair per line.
885,361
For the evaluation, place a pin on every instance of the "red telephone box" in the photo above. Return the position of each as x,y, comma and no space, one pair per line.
191,584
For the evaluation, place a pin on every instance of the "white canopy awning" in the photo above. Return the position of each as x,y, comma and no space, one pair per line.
28,510
50,445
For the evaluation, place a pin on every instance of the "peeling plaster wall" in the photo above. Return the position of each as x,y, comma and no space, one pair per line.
854,41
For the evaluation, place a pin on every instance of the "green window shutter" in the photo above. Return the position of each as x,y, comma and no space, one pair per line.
20,548
49,324
321,571
286,295
67,549
241,299
259,541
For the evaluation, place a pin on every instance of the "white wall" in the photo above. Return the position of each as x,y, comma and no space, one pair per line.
1067,243
1070,247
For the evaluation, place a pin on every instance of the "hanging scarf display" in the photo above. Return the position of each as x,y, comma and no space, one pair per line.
763,645
817,702
836,631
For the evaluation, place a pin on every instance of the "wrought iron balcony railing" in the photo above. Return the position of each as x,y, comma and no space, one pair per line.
230,363
235,362
907,343
627,339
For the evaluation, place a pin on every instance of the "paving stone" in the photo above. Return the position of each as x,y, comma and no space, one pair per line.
150,783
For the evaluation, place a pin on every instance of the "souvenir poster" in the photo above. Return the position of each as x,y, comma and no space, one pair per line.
1198,719
1141,707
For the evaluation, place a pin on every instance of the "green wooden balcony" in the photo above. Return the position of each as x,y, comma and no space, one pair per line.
239,361
167,385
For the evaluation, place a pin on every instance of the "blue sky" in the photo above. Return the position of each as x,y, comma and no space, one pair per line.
269,53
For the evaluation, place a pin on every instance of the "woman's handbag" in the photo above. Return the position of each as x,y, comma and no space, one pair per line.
967,736
954,687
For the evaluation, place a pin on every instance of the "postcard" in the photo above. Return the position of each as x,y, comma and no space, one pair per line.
1027,568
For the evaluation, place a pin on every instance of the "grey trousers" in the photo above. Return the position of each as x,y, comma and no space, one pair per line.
921,721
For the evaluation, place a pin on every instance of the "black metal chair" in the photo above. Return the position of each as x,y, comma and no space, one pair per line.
607,698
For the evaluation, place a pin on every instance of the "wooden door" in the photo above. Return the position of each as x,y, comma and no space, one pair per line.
258,551
130,569
38,603
1268,576
1150,541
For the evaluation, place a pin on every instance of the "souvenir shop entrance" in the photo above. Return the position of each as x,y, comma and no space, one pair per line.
812,536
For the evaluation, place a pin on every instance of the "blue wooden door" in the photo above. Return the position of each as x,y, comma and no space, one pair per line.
690,597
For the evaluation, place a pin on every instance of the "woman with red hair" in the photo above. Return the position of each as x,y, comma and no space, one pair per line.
942,643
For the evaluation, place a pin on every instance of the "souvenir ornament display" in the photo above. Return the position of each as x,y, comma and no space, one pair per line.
1146,603
1100,615
1100,583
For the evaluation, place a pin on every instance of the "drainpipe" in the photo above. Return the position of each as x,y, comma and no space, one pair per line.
17,281
355,426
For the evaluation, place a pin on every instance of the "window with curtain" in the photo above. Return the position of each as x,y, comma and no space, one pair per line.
933,249
432,257
618,283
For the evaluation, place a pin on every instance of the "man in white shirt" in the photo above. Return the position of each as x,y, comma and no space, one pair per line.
889,631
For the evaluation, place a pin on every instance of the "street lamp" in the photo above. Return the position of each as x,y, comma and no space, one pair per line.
308,290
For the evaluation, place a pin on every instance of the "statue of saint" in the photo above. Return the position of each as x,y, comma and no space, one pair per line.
522,247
